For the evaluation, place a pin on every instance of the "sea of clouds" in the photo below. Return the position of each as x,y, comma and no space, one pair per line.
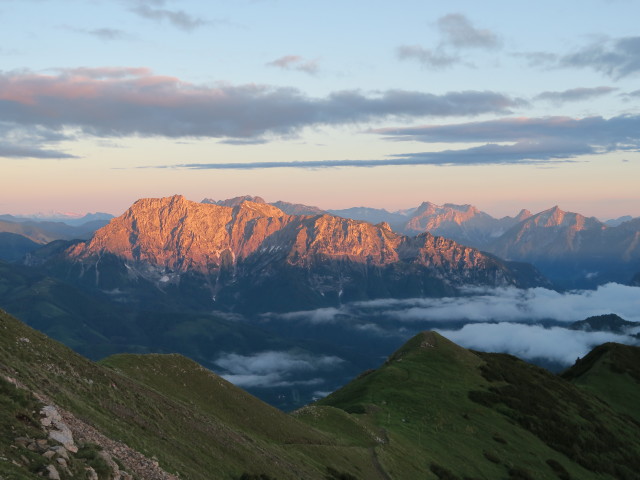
531,324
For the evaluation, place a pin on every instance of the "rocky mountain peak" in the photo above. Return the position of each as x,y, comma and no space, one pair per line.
161,239
235,201
466,208
523,215
258,208
427,208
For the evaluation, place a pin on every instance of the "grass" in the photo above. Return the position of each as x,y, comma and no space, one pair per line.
611,372
434,410
421,399
168,407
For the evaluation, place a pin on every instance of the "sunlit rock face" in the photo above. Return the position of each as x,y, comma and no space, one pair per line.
254,245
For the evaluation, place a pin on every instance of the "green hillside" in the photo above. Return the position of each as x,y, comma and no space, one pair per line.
612,373
171,417
459,414
434,410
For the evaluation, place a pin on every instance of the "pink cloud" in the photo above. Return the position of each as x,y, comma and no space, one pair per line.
121,101
295,62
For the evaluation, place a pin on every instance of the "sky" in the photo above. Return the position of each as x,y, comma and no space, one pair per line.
503,105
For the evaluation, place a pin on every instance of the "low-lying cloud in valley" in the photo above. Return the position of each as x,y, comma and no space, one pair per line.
532,324
532,342
275,369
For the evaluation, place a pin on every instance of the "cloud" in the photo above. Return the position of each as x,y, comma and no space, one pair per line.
244,141
178,18
615,58
102,33
458,31
621,129
274,369
24,151
506,141
531,324
107,33
531,140
427,57
525,152
321,315
295,62
478,304
531,305
490,154
114,101
537,59
532,342
574,94
30,142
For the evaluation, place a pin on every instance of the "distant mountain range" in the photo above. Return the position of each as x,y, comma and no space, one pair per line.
56,217
432,410
572,250
21,235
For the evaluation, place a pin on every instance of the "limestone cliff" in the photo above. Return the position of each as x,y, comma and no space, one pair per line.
256,251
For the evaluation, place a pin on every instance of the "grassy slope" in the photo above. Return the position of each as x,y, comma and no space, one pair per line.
434,410
176,417
612,373
420,402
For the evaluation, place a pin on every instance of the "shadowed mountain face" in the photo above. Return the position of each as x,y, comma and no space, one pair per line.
255,257
573,250
14,246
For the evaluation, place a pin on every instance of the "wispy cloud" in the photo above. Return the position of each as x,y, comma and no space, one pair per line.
491,154
457,33
616,58
574,95
532,140
295,62
117,101
101,33
30,142
154,10
275,369
509,141
436,59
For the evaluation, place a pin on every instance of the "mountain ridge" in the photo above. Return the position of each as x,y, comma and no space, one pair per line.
429,409
326,258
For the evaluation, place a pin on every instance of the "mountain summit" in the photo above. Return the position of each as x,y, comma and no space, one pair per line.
256,247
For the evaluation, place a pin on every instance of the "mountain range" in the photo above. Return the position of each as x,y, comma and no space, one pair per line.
431,410
572,250
255,257
21,235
